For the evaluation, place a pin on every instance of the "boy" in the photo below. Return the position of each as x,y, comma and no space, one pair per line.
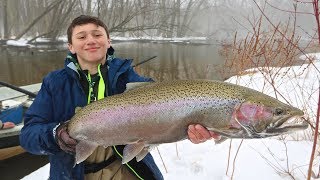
90,73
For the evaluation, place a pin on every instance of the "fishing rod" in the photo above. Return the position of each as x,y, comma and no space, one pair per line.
144,61
33,95
29,93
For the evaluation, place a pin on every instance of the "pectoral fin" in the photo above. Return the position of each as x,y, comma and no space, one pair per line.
221,140
132,150
142,154
84,149
77,109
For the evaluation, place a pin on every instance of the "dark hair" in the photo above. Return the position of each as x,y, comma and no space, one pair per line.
84,19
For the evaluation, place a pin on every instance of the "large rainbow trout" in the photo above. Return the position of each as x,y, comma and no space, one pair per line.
161,112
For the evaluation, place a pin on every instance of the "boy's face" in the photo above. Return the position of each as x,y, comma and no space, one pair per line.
90,42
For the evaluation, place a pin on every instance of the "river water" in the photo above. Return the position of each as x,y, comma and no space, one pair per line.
23,66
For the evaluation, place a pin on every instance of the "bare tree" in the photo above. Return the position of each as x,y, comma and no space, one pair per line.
88,10
46,11
167,18
5,19
135,17
162,16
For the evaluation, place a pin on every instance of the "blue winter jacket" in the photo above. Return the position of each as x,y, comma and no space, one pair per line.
60,93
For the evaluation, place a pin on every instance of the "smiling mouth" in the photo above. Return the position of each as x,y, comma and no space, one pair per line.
92,49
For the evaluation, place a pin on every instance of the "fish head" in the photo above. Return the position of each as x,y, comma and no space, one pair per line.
261,117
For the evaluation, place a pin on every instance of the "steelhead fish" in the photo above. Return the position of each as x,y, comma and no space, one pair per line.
160,112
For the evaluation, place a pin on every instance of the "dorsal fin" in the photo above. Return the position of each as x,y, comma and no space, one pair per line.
135,85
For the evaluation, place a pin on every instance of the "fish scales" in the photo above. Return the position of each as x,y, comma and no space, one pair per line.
161,112
162,101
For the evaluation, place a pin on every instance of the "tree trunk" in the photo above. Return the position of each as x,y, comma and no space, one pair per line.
163,19
98,8
173,18
121,13
183,27
5,20
88,11
137,6
178,16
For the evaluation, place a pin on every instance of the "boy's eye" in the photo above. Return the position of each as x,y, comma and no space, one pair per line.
81,37
97,35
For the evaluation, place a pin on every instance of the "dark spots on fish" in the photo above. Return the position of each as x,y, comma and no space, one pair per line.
279,111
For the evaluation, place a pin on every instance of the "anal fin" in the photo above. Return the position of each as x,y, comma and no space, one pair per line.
83,150
132,150
142,154
145,151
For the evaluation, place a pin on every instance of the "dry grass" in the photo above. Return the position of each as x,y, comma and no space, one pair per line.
260,49
272,54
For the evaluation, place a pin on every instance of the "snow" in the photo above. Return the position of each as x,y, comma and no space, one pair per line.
209,161
23,42
19,43
182,39
278,158
41,173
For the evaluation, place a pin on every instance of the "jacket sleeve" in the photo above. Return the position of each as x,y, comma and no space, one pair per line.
37,134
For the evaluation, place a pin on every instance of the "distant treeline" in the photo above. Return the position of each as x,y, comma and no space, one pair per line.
134,18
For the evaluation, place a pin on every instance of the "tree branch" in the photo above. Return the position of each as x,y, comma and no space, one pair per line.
314,139
46,11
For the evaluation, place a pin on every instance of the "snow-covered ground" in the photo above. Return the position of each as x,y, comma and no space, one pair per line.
23,42
263,159
270,158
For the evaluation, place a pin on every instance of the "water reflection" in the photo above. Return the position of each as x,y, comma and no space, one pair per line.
174,61
22,66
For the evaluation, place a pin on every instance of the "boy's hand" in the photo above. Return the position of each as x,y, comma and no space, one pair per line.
64,141
198,134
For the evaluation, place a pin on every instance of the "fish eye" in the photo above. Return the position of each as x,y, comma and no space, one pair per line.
278,111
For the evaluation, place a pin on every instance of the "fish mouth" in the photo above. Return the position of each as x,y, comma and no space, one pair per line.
293,124
285,126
